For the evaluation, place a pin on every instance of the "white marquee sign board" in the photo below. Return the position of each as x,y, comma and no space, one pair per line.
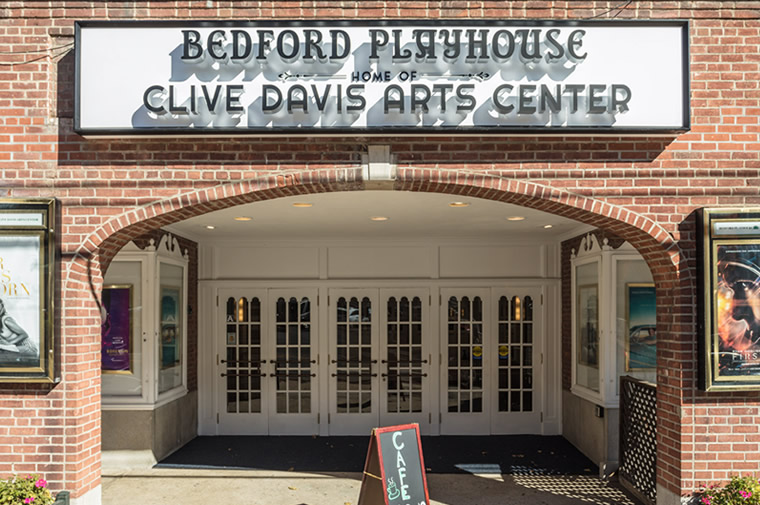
381,77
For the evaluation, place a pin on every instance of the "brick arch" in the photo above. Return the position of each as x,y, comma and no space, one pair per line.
656,245
661,252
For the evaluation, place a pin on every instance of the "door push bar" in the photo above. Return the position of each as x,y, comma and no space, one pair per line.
233,362
284,362
244,375
353,362
406,362
355,374
285,373
406,374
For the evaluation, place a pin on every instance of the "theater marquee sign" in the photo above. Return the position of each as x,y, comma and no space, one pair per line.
381,77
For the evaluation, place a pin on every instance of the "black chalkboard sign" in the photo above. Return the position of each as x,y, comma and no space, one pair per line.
394,472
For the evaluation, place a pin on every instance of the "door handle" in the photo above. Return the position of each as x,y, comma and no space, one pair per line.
406,362
354,362
355,374
233,362
302,362
244,374
409,374
286,373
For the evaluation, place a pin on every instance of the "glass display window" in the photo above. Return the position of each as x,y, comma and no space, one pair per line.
144,325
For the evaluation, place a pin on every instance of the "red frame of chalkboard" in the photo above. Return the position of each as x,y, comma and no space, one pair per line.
376,436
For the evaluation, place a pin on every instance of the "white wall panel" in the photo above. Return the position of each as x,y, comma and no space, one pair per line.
379,262
266,263
492,261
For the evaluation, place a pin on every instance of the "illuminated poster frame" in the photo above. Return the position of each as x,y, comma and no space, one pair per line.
116,334
729,252
27,267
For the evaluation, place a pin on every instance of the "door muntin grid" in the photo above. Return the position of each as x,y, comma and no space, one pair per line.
404,355
465,354
515,354
243,384
353,356
293,370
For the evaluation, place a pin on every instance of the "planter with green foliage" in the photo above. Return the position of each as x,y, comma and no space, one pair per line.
27,490
740,491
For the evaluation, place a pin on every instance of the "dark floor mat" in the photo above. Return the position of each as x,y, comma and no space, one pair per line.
509,454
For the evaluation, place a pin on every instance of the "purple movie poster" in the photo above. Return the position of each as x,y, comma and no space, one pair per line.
116,330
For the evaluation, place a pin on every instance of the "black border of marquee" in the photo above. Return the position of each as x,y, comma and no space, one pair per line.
385,130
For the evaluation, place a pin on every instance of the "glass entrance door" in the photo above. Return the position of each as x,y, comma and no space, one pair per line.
384,364
405,358
266,361
242,400
293,362
491,349
353,362
465,405
517,393
379,359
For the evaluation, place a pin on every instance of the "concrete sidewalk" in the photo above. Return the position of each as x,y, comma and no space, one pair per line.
264,487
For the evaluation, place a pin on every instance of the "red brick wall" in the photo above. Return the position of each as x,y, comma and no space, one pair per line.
641,189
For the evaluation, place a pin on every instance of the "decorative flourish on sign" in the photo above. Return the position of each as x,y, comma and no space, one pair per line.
480,76
287,76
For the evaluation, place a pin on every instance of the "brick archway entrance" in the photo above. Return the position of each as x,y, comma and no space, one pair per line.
83,276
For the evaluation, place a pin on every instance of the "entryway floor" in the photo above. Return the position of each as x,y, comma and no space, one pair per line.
307,471
447,454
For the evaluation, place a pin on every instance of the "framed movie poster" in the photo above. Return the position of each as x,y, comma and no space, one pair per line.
27,266
170,326
730,310
641,338
588,325
116,329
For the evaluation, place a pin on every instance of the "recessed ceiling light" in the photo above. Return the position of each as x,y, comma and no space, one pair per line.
379,218
243,218
210,227
515,218
459,204
547,226
302,205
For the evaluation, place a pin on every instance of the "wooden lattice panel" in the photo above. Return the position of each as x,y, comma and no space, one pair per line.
638,438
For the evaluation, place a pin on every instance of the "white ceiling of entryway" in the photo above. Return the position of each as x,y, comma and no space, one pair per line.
346,216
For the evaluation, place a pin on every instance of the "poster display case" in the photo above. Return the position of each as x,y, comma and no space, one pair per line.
27,270
729,310
614,319
143,332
